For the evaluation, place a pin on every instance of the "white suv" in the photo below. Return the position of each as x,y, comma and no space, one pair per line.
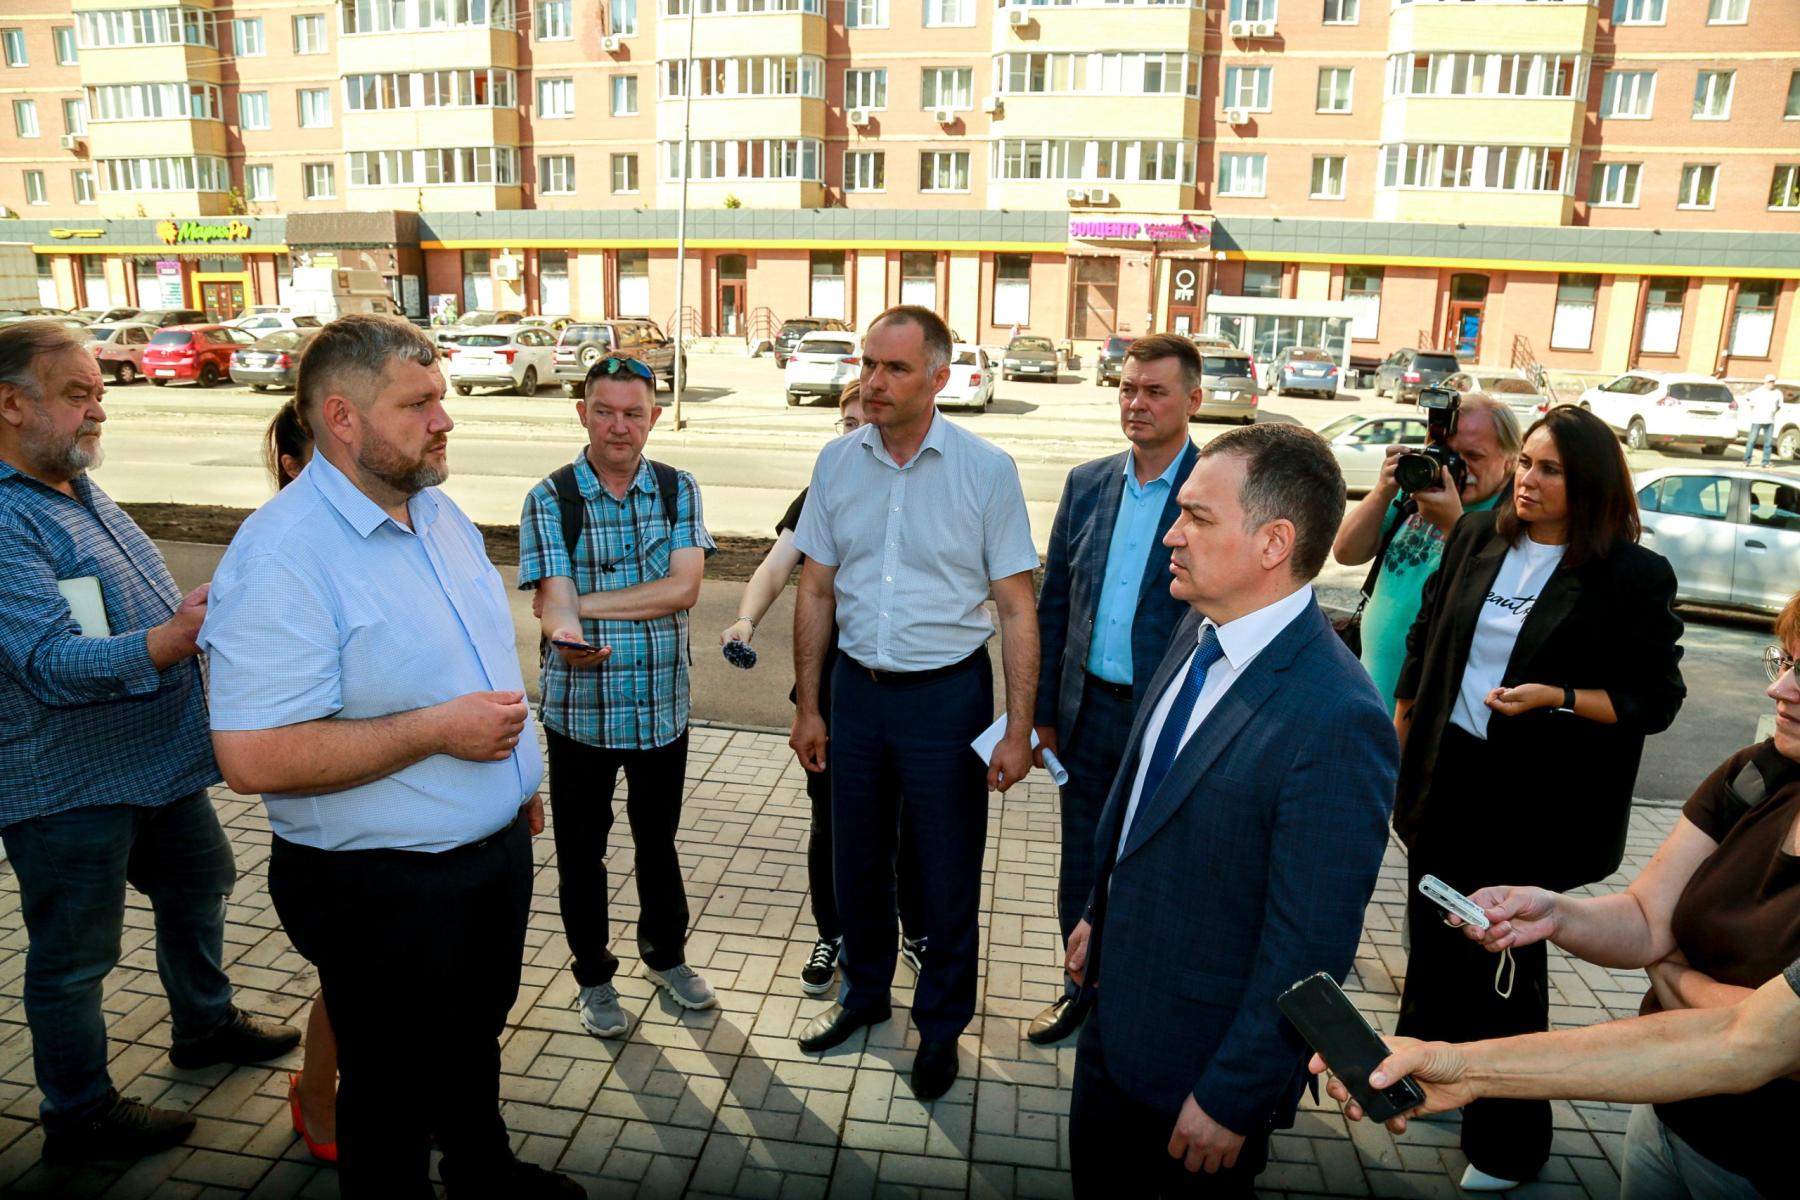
1655,408
820,366
511,356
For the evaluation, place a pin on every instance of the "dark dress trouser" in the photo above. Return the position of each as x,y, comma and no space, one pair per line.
915,735
419,961
1450,992
1096,747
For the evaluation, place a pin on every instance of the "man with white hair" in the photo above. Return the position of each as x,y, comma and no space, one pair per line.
1761,406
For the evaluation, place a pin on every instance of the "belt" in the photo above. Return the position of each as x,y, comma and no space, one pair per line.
1119,691
912,678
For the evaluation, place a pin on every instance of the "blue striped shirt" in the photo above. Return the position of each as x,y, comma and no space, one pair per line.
88,720
324,606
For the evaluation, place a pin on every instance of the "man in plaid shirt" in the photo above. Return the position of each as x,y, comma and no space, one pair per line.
615,612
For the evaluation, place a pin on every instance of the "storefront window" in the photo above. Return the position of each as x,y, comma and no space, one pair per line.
553,282
634,283
1012,289
918,279
1094,296
46,282
1262,279
828,283
1572,328
478,283
1753,318
1662,316
1362,286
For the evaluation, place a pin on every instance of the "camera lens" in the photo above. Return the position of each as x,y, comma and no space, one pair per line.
1416,472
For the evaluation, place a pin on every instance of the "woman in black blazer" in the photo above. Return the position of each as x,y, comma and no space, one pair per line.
1545,651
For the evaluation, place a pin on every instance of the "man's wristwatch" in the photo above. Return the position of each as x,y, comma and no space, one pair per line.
1568,704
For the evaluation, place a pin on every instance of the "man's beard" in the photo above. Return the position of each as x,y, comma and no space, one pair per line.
381,459
60,458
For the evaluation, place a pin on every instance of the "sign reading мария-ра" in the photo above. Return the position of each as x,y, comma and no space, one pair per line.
1135,229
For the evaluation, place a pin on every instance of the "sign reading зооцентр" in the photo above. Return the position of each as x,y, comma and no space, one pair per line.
1182,228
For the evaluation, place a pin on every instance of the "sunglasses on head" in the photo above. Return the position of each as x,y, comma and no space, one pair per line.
613,365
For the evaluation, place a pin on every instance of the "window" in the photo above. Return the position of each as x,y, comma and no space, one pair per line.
1662,316
388,16
949,12
827,295
1249,87
1784,188
634,283
1477,168
198,173
624,96
622,18
919,278
1792,110
146,27
1615,185
1362,287
13,42
947,87
1572,326
624,173
74,116
774,75
62,38
555,20
944,171
1628,94
866,14
556,174
1242,174
25,118
153,101
1328,177
1753,318
866,89
1554,76
83,182
1712,95
34,188
1252,10
556,98
247,37
253,110
1697,182
759,158
309,34
318,181
1012,289
1727,12
1340,12
1108,72
1262,279
1096,159
478,279
1334,89
865,171
315,108
430,89
259,183
1638,12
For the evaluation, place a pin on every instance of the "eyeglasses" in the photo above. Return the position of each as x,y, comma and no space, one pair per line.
1776,663
613,365
847,424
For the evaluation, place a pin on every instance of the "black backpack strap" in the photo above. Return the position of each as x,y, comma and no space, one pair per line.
570,505
1766,771
668,486
1404,514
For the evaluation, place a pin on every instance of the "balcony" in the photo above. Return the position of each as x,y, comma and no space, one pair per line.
432,127
1505,120
1497,28
728,35
726,117
134,64
427,50
1086,27
1091,115
170,138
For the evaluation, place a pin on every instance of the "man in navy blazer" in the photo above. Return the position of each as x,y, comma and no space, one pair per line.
1240,842
1105,613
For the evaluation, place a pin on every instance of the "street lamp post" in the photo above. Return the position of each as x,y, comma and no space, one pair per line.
679,375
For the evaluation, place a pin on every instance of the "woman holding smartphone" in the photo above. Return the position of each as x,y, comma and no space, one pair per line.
1545,651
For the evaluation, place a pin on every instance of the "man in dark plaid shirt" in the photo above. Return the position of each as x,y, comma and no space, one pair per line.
104,762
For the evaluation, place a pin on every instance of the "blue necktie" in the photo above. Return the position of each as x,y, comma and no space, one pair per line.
1168,742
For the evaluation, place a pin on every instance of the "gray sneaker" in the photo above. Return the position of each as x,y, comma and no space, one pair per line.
601,1014
687,988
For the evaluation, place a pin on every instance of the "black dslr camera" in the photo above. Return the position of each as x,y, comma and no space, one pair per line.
1418,471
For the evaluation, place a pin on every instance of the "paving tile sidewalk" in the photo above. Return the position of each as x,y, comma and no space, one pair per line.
723,1103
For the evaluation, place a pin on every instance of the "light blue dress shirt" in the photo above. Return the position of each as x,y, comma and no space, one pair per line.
324,606
1135,532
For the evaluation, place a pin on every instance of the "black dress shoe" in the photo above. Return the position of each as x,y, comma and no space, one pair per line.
124,1130
834,1026
517,1180
934,1069
241,1039
1058,1021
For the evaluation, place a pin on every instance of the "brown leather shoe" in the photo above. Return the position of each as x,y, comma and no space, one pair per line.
1058,1021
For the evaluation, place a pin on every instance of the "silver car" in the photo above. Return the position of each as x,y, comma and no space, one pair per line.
1732,534
1228,389
1359,442
1510,387
1029,358
1304,369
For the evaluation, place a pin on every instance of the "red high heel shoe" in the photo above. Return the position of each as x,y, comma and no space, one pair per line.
323,1151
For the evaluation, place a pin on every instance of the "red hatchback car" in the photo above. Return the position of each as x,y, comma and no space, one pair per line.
194,353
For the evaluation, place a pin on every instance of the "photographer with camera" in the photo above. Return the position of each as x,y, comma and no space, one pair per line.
1474,447
1545,651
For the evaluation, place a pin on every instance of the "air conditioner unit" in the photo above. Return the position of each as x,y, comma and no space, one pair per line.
506,270
1237,116
1077,195
71,141
1099,196
858,116
1241,29
943,116
1262,29
990,104
611,43
1018,17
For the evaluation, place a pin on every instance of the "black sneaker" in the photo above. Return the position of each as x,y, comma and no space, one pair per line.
913,951
125,1130
242,1039
821,967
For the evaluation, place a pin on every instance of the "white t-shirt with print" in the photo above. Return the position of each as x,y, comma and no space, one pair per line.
1527,568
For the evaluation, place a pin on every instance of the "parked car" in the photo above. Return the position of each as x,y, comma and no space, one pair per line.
512,356
1109,364
119,348
72,324
1506,385
971,379
1304,369
274,360
1732,535
1029,357
162,318
476,318
1228,390
1404,372
1359,442
795,328
193,353
553,324
822,363
1787,421
258,324
1658,408
106,316
584,343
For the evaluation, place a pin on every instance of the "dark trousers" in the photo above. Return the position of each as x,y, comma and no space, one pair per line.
73,867
911,739
1450,990
582,781
823,883
418,958
1119,1145
1096,747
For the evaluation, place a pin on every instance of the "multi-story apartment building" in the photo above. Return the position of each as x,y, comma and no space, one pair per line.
1586,183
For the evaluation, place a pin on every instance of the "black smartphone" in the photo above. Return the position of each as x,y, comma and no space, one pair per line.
1348,1043
583,646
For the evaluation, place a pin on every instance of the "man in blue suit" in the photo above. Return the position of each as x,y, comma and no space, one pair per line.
1105,612
1240,842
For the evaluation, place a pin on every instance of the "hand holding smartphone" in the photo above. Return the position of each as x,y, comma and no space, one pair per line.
1453,902
1348,1044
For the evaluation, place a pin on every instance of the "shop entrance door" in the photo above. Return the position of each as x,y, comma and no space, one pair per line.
223,300
731,308
1468,297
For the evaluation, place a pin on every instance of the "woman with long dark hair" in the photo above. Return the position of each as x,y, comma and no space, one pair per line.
1545,651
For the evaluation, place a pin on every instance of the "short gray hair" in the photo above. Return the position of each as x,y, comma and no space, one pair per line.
932,331
351,355
22,344
1289,474
1507,434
